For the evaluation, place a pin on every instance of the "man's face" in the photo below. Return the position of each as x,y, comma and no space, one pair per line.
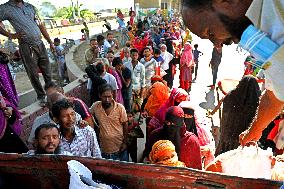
48,140
126,54
163,48
134,56
209,24
147,53
106,99
110,38
110,57
67,118
94,44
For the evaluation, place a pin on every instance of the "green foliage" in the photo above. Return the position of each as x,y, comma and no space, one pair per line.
64,13
47,9
86,13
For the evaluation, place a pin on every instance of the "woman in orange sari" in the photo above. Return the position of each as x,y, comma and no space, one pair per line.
164,153
159,94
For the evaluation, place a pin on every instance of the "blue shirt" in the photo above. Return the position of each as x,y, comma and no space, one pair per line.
23,19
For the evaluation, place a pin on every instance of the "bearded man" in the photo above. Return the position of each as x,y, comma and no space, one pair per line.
47,139
231,21
112,119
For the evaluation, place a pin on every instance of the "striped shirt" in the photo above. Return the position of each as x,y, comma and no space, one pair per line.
23,19
111,128
83,144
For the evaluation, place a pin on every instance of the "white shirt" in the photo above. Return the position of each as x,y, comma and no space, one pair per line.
167,58
149,69
107,45
138,75
268,16
110,79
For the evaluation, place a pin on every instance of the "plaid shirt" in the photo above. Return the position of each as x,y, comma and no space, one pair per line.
83,144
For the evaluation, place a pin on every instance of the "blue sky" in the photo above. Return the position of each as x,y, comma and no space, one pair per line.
90,4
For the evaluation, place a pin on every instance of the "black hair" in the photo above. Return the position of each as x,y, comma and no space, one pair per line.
52,85
146,49
195,45
60,105
93,39
109,34
56,40
103,88
157,51
134,51
82,31
100,38
129,28
45,126
116,61
110,51
197,4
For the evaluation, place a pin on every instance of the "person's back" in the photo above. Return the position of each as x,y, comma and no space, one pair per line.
216,57
239,107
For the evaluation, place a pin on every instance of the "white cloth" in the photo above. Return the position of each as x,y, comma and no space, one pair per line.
268,16
110,79
149,69
260,75
167,58
137,74
107,45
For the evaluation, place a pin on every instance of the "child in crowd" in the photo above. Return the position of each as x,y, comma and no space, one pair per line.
196,55
60,59
159,60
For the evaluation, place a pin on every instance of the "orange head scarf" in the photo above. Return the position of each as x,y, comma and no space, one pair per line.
158,96
163,153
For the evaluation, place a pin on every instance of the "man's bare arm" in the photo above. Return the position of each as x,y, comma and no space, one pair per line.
45,33
4,32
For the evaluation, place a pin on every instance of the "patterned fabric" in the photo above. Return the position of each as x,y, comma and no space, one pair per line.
23,19
7,86
10,96
111,128
163,153
83,144
45,119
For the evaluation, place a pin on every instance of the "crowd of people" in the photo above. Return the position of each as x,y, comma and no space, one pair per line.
127,83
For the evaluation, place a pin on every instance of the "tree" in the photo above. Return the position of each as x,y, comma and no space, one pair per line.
47,9
64,12
87,14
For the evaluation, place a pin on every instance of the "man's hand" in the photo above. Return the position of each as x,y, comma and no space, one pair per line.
8,111
249,135
123,147
18,35
52,47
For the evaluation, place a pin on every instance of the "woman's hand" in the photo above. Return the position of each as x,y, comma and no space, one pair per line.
8,112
